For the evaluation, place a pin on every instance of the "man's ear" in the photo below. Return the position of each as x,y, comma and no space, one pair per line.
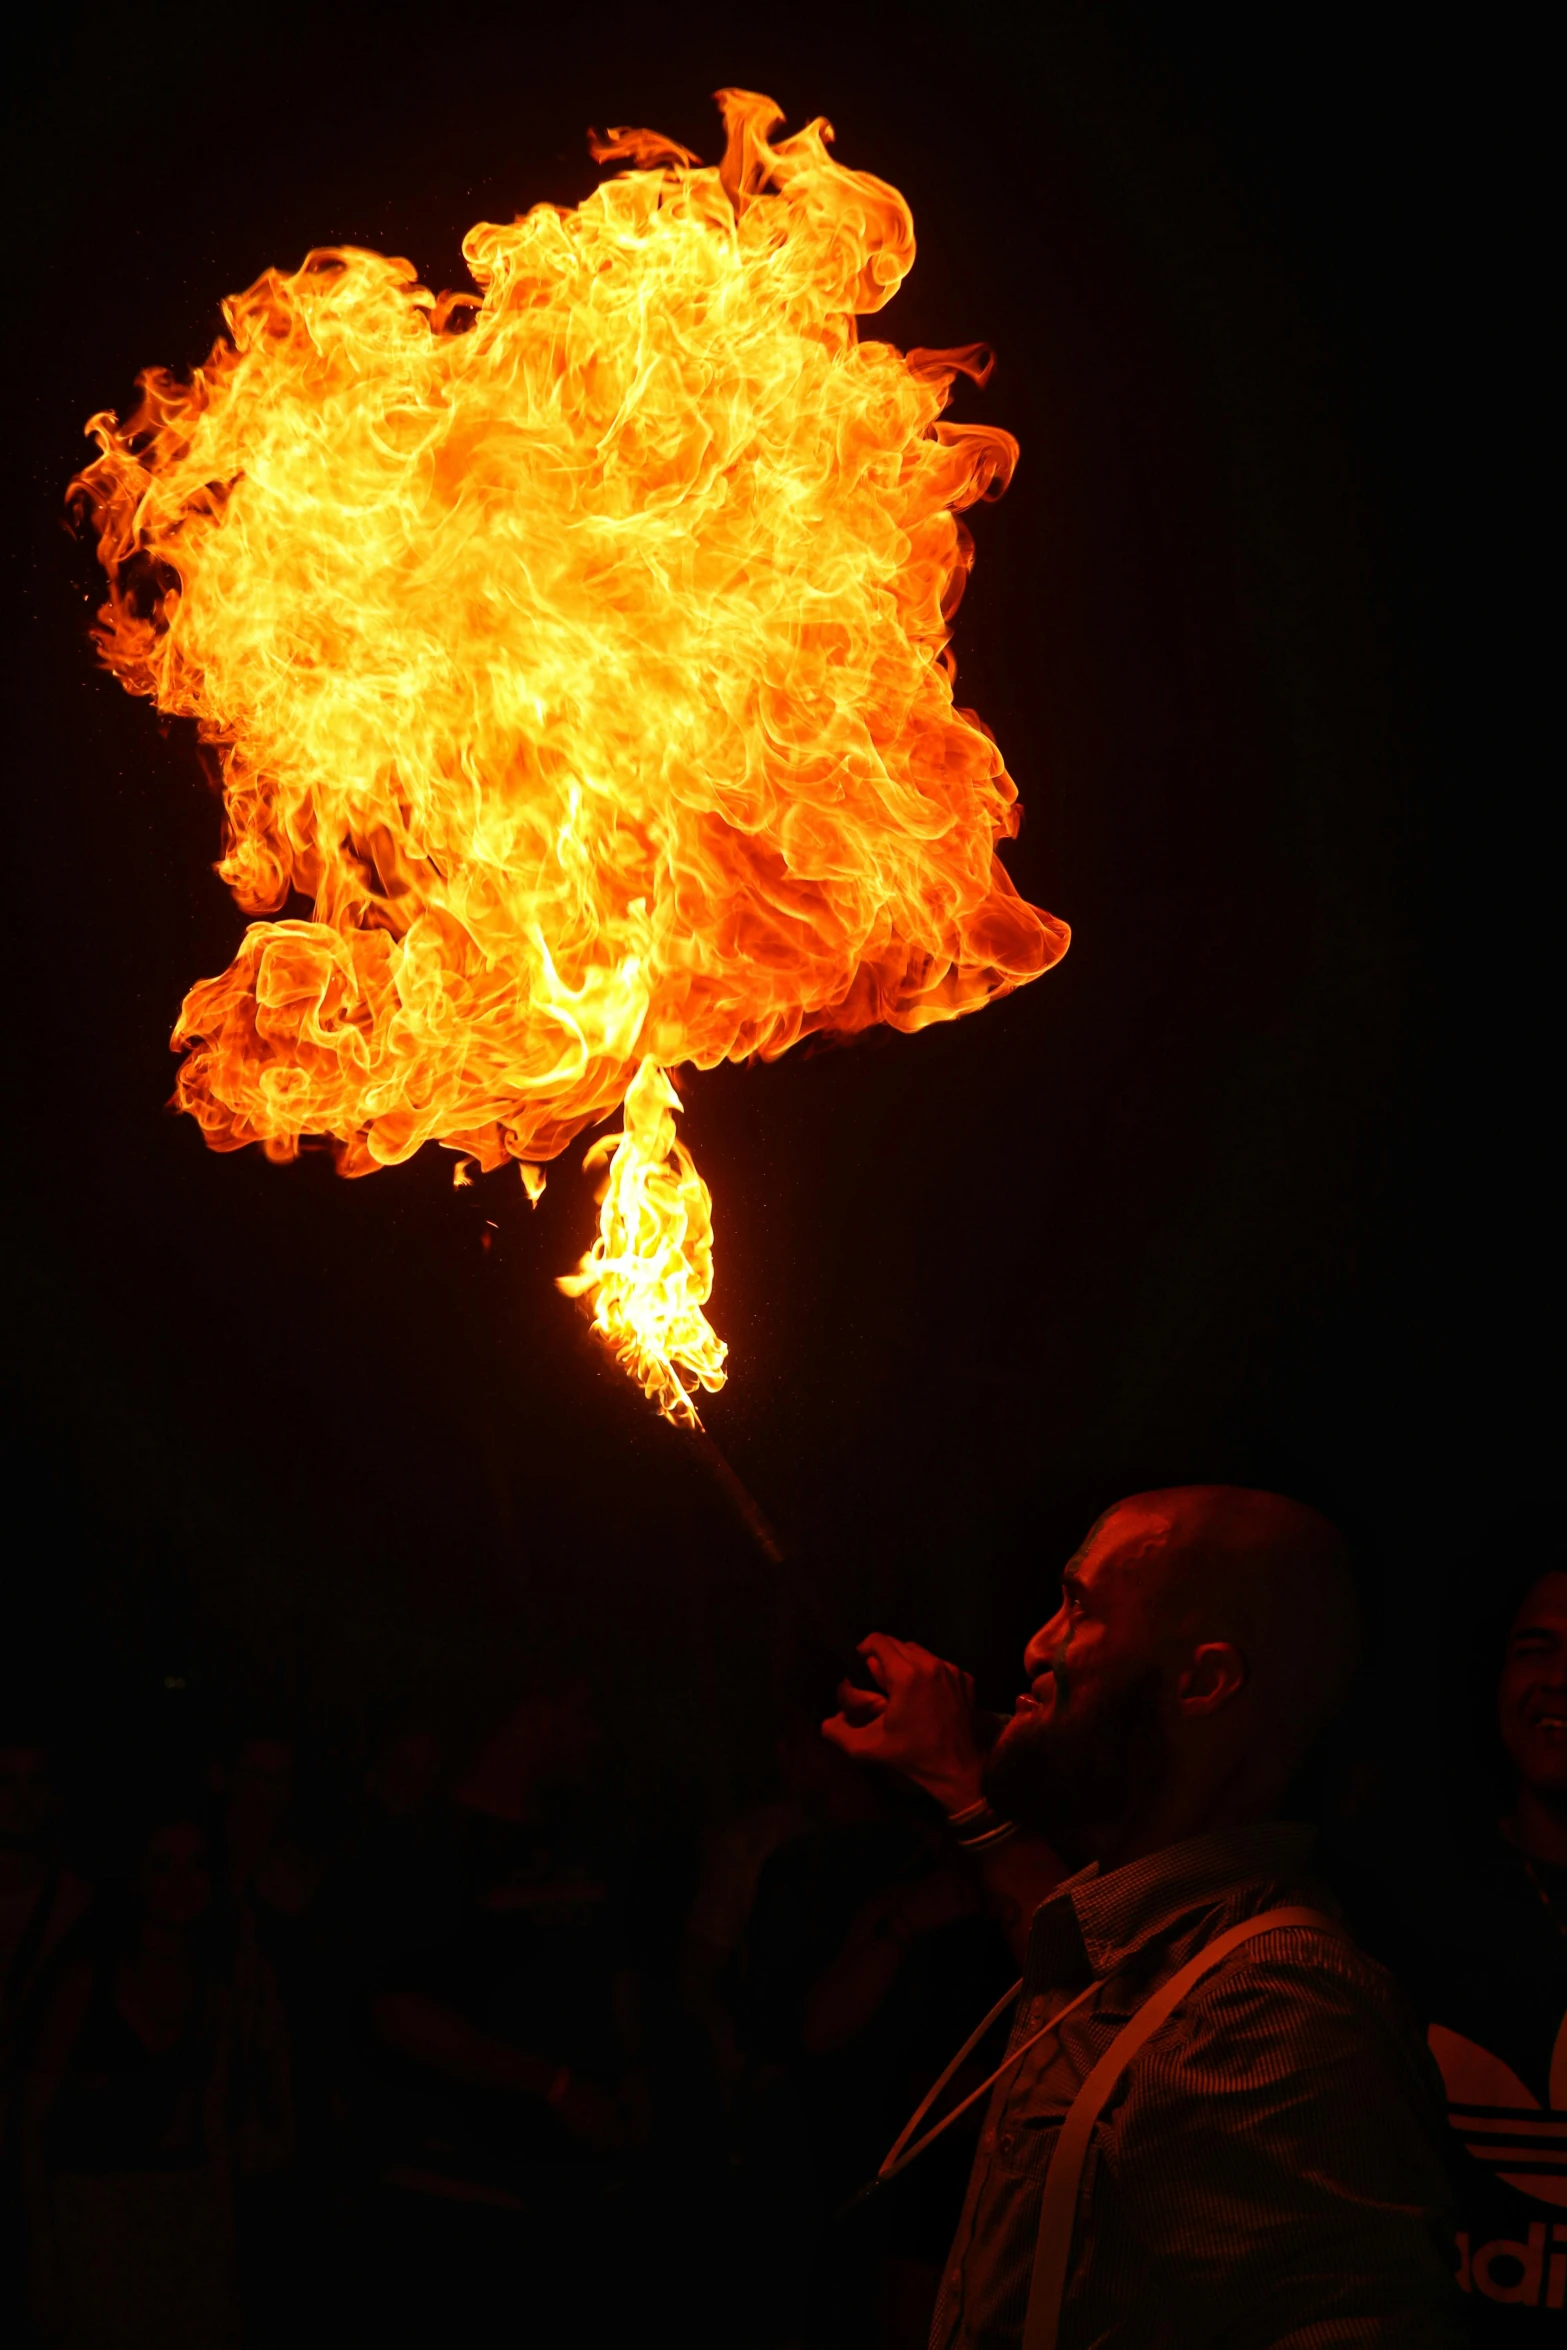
1215,1674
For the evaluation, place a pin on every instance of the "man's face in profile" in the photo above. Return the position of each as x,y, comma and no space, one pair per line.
1532,1698
1085,1748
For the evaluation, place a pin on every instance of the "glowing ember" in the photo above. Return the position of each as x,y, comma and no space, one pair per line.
576,649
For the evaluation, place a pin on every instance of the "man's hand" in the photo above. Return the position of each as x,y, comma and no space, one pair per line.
917,1719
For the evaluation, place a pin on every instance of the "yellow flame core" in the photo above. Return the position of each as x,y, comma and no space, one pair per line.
650,1272
576,652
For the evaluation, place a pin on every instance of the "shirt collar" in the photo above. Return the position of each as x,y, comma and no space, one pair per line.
1118,1912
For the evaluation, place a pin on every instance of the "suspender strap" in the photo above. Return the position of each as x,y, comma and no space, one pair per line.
903,2153
1058,2212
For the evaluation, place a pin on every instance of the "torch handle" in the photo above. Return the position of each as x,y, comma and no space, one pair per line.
741,1499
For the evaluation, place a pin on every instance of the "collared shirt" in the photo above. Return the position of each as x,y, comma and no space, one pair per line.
1267,2173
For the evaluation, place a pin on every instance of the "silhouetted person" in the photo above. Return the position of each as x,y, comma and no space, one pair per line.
275,1873
720,1915
397,1871
510,2079
918,1960
274,1876
1264,2169
157,2066
1481,1936
403,1784
42,1899
740,1979
863,1956
43,1903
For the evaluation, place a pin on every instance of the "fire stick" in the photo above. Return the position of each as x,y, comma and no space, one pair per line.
741,1499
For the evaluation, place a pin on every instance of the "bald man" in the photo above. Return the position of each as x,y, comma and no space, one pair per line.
1259,2167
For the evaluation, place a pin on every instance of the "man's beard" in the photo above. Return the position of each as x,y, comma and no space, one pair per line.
1081,1778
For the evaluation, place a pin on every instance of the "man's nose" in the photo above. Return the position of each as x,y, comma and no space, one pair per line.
1037,1655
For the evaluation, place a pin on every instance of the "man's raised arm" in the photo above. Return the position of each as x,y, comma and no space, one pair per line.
919,1718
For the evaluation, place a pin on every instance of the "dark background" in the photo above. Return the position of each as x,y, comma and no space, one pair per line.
1229,1195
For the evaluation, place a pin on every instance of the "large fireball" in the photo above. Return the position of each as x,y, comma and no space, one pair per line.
575,655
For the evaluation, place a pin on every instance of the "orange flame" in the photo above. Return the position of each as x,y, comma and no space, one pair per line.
651,1269
577,651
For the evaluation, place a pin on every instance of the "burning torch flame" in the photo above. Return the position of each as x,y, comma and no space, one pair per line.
575,656
651,1268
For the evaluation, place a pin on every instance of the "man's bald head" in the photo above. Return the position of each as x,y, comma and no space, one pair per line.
1268,1575
1206,1635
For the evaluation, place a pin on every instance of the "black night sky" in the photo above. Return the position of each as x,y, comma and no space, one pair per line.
1216,1199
